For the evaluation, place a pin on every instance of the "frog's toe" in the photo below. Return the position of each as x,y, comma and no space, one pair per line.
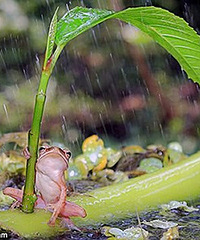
50,206
66,222
26,153
16,204
51,223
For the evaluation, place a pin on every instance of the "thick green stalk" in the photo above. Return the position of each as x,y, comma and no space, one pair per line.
29,197
180,181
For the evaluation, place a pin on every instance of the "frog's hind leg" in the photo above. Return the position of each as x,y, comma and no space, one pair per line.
73,210
57,207
15,193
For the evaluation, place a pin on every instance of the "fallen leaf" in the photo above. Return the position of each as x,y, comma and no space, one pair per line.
160,224
133,233
178,205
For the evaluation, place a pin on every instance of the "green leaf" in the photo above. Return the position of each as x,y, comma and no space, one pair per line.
77,21
51,37
170,31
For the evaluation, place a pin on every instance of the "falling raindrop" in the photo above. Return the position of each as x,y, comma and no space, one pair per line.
67,7
47,2
188,14
102,122
82,3
37,62
148,3
6,112
94,37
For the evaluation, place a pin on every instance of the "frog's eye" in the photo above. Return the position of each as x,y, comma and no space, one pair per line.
42,148
68,154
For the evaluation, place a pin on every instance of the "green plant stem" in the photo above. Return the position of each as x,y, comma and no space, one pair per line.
179,182
29,197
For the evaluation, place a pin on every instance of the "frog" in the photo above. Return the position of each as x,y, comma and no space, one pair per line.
51,185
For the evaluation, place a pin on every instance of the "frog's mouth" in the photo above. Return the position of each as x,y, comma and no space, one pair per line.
46,150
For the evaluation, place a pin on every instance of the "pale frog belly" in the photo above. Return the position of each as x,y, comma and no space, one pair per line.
49,190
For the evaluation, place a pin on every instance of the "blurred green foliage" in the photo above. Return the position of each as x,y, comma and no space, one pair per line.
97,86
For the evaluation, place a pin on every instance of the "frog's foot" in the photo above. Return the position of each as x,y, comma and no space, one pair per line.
52,220
50,206
66,222
16,204
51,223
26,153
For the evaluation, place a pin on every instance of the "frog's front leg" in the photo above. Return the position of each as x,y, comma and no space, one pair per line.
57,207
26,153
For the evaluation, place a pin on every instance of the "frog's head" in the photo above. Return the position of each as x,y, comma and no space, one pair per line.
48,151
